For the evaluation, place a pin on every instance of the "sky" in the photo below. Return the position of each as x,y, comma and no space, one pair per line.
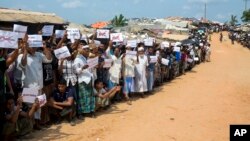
91,11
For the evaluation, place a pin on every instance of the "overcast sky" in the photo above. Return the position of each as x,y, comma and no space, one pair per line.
90,11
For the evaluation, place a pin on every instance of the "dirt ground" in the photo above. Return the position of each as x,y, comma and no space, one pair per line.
198,106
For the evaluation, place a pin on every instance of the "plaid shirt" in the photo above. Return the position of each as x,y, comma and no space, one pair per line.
68,72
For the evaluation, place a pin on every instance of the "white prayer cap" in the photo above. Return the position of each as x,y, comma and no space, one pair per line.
201,44
97,43
165,44
177,44
141,49
128,46
87,46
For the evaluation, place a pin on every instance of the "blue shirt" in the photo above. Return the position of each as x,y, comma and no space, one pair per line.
178,56
58,97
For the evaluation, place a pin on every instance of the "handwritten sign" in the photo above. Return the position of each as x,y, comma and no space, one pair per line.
35,40
60,33
29,95
107,63
8,39
165,44
131,53
164,61
196,58
148,42
73,33
92,62
116,37
62,52
97,42
132,43
42,100
102,34
177,49
153,59
48,30
21,30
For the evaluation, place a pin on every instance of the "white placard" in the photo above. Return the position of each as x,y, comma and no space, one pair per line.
132,43
73,33
196,59
164,61
97,42
148,42
107,63
116,37
102,34
177,49
165,44
60,33
20,29
42,100
48,30
29,95
153,59
35,40
8,39
92,62
62,52
132,53
189,60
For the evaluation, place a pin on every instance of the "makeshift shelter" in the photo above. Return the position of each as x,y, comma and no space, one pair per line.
34,20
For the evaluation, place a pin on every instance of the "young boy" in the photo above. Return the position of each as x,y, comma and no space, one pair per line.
62,102
17,122
102,96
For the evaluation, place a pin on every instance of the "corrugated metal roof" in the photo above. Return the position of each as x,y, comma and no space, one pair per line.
13,15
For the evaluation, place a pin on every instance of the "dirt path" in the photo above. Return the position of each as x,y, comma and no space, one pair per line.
198,106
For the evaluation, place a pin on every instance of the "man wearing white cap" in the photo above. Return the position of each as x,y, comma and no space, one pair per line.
85,96
140,71
128,68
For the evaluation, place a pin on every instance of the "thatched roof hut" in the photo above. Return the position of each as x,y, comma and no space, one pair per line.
34,20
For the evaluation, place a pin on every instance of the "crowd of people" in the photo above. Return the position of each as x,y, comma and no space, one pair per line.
75,91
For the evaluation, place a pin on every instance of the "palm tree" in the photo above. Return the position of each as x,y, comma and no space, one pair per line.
119,21
246,16
233,20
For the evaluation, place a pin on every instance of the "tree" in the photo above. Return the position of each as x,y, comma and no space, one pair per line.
233,20
119,21
246,16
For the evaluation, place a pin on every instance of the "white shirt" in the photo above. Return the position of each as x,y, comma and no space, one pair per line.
115,69
33,71
84,75
129,66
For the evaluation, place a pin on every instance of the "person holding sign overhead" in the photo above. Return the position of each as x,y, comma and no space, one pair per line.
30,62
5,62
